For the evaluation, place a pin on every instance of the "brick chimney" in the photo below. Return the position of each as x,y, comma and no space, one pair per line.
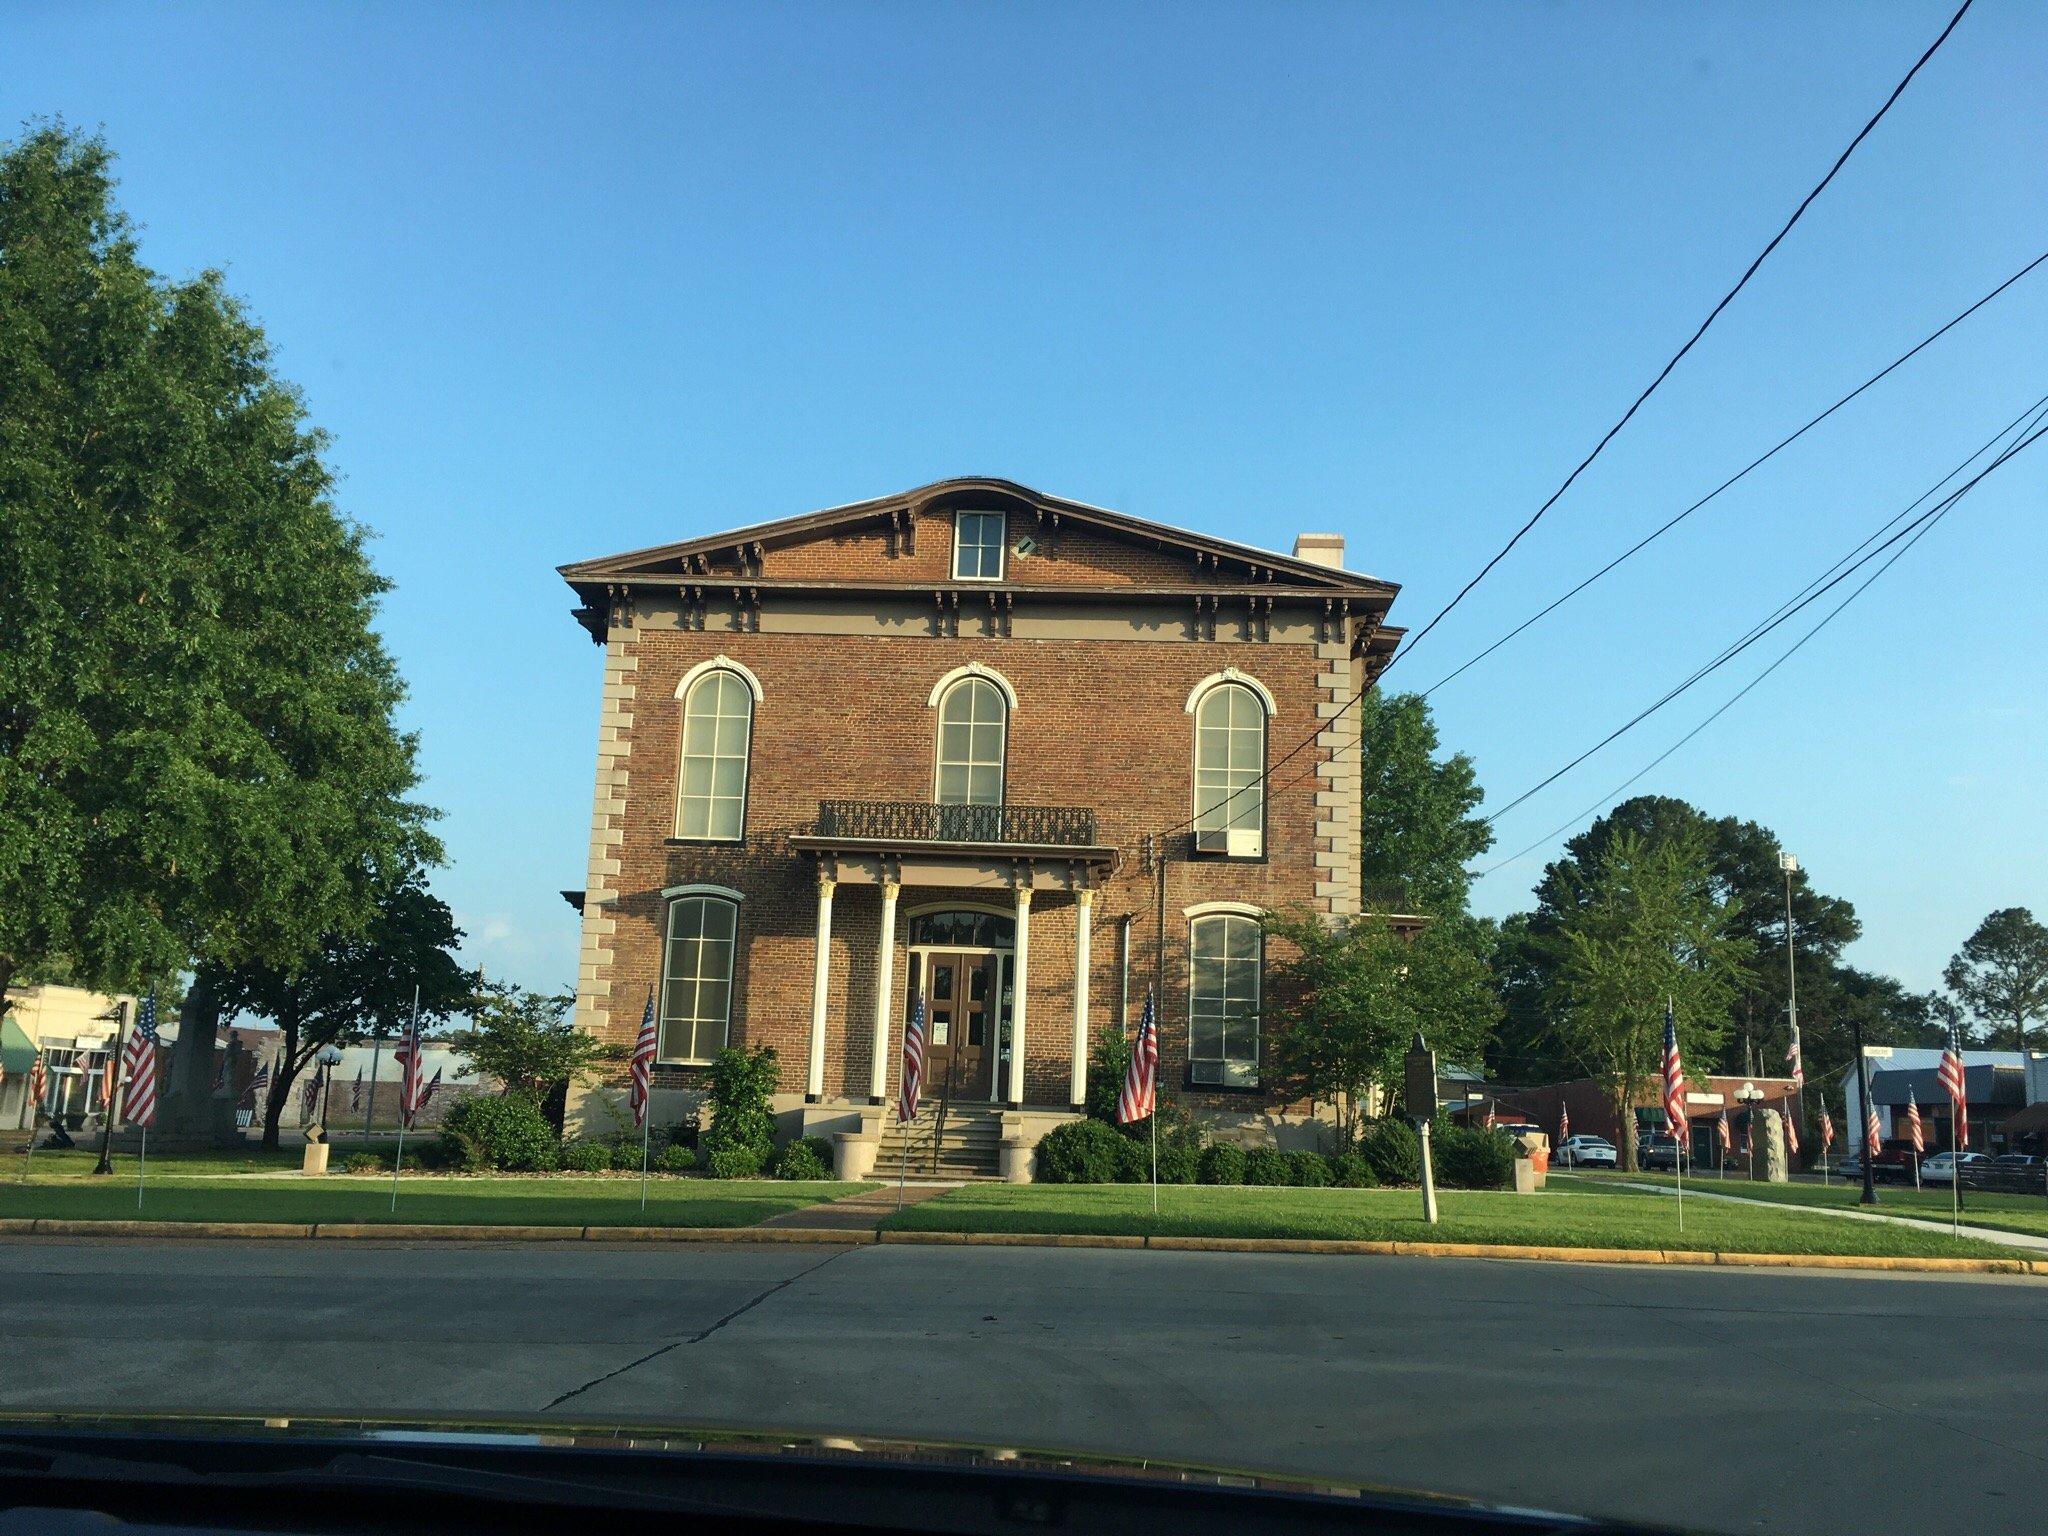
1320,549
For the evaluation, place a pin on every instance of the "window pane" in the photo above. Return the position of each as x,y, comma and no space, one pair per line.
716,718
952,784
697,996
972,715
724,818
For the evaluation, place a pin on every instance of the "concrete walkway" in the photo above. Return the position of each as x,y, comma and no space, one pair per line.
2025,1240
859,1212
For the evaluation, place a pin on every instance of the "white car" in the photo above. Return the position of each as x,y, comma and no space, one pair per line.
1584,1152
1941,1167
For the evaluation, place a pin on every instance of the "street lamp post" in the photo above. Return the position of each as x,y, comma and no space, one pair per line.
1790,865
1869,1195
1751,1096
329,1058
119,1015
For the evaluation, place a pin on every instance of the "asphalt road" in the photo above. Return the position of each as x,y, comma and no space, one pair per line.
1739,1400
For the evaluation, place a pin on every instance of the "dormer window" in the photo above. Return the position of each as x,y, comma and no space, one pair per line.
978,546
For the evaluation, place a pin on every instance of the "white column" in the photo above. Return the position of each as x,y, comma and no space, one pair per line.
821,966
1084,916
885,966
1020,986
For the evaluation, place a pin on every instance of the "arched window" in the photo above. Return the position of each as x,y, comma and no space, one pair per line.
1224,958
973,721
718,720
1230,754
696,977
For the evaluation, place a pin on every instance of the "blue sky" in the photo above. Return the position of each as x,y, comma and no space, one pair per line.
568,280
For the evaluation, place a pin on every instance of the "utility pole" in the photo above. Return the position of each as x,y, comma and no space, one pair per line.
1790,865
1869,1195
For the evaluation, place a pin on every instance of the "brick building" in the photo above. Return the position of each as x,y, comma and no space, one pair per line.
913,747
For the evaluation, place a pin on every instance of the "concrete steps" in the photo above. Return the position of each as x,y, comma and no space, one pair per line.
970,1147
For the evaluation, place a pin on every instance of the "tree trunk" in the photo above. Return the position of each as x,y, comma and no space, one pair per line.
1625,1122
281,1083
188,1080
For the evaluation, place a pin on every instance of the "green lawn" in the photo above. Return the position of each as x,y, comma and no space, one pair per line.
1981,1208
79,1162
1605,1219
566,1201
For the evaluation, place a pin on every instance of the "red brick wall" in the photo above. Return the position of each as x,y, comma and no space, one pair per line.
1098,723
1070,557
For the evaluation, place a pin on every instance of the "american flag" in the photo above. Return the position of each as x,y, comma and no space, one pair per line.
913,1065
427,1093
355,1094
1873,1137
38,1084
1721,1129
1913,1133
408,1058
1141,1079
259,1085
1950,1075
139,1058
643,1065
1792,1056
1564,1122
1486,1120
309,1098
220,1074
1674,1081
1827,1128
1791,1133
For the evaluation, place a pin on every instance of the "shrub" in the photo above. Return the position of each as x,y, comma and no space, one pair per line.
365,1162
587,1156
733,1163
1393,1152
741,1082
1266,1165
1134,1161
1350,1170
675,1158
800,1160
1308,1169
625,1154
459,1152
508,1130
1220,1163
1177,1161
1468,1157
1081,1152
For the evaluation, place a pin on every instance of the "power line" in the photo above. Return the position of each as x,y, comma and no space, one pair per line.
1614,794
1756,463
1712,315
1762,629
1265,774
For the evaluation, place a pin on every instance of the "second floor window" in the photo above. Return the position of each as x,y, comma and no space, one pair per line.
972,723
1230,754
718,719
978,546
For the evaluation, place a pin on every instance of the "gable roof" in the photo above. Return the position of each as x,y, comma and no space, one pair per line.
689,557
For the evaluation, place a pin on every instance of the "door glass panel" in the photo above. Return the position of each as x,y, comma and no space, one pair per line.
942,983
977,986
977,1029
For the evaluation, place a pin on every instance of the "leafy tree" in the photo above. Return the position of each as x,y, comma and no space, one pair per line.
197,755
527,1042
354,983
2000,976
1647,923
1417,830
1352,996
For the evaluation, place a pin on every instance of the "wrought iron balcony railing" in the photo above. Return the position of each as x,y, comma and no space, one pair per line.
914,821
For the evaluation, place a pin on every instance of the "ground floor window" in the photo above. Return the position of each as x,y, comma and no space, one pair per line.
1223,1000
696,978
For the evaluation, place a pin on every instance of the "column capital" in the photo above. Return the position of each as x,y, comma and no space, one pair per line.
827,884
1023,895
891,889
1084,897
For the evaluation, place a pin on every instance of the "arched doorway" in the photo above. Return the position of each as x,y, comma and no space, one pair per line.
960,964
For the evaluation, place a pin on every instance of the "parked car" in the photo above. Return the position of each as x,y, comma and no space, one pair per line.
1941,1167
1659,1150
1850,1166
1893,1163
2017,1172
1585,1152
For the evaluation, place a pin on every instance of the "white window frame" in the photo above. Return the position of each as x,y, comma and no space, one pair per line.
967,677
686,689
675,897
1226,913
1001,544
1212,841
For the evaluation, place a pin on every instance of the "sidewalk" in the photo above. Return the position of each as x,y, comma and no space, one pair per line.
863,1211
2025,1240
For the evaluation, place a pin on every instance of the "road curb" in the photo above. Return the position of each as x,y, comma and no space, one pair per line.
830,1237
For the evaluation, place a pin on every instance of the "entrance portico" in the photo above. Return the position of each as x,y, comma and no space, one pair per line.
968,955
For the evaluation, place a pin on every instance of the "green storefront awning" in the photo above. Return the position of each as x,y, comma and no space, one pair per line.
17,1052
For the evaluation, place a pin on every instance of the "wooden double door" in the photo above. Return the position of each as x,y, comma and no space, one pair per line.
963,1007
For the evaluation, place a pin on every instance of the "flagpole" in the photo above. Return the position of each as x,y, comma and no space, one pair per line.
370,1098
1678,1139
35,1109
142,1168
413,1039
1154,1118
646,1130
